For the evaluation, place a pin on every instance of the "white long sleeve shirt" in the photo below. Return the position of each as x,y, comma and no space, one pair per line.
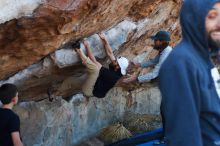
157,62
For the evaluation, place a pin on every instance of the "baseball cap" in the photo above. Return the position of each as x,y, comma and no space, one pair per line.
123,63
162,36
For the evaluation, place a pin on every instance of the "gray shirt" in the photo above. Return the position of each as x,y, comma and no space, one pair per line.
157,62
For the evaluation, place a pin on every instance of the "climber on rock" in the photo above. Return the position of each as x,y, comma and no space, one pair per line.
100,79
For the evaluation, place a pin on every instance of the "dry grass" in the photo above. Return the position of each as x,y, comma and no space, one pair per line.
114,133
138,123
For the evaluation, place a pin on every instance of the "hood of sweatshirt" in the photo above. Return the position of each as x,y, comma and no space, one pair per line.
192,19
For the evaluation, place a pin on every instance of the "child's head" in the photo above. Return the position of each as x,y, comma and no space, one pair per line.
8,93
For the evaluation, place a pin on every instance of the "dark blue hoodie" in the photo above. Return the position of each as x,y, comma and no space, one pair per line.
190,103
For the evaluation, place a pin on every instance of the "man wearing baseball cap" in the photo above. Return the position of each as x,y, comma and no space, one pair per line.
161,44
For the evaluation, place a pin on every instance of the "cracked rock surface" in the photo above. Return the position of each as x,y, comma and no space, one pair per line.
35,54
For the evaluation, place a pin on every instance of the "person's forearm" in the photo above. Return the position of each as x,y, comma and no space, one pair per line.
142,79
108,48
109,51
87,47
16,139
147,77
149,63
18,143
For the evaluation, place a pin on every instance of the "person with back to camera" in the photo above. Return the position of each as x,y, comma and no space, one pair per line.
9,121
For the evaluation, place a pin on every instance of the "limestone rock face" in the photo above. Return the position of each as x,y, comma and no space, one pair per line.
63,123
28,45
51,25
35,54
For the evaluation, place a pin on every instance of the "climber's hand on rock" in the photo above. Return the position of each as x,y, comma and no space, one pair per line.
102,36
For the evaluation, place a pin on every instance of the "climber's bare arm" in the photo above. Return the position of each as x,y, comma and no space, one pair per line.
89,52
107,47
